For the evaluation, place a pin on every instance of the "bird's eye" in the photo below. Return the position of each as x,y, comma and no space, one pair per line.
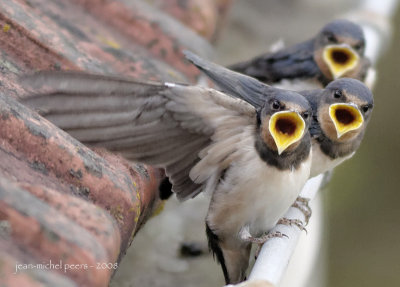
358,46
331,38
276,105
365,108
338,94
306,115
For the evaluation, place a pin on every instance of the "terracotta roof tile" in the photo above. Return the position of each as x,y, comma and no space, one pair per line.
60,200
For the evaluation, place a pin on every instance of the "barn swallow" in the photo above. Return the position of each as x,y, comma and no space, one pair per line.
336,51
341,112
252,157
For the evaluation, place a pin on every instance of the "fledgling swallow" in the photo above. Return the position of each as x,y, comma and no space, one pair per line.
254,158
341,112
336,51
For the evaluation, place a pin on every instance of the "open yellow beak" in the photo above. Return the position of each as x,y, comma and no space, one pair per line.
346,117
340,59
286,128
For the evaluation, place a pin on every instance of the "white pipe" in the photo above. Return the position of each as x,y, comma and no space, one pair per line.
375,19
386,8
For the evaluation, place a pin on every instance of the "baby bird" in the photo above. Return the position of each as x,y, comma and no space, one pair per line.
336,51
253,157
341,112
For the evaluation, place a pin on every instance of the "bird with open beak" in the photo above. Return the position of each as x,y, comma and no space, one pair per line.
336,51
341,112
253,157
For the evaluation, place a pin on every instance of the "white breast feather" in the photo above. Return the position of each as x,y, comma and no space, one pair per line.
322,163
256,194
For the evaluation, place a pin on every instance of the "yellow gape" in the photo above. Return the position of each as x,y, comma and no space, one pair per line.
340,59
286,128
345,117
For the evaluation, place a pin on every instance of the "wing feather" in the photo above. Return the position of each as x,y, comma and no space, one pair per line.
192,132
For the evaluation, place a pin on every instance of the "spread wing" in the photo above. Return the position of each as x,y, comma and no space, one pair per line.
192,132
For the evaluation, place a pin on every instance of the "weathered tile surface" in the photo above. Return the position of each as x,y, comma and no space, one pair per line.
61,200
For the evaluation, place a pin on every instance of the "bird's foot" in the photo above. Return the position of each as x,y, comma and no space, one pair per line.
302,204
247,237
262,239
290,222
303,200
